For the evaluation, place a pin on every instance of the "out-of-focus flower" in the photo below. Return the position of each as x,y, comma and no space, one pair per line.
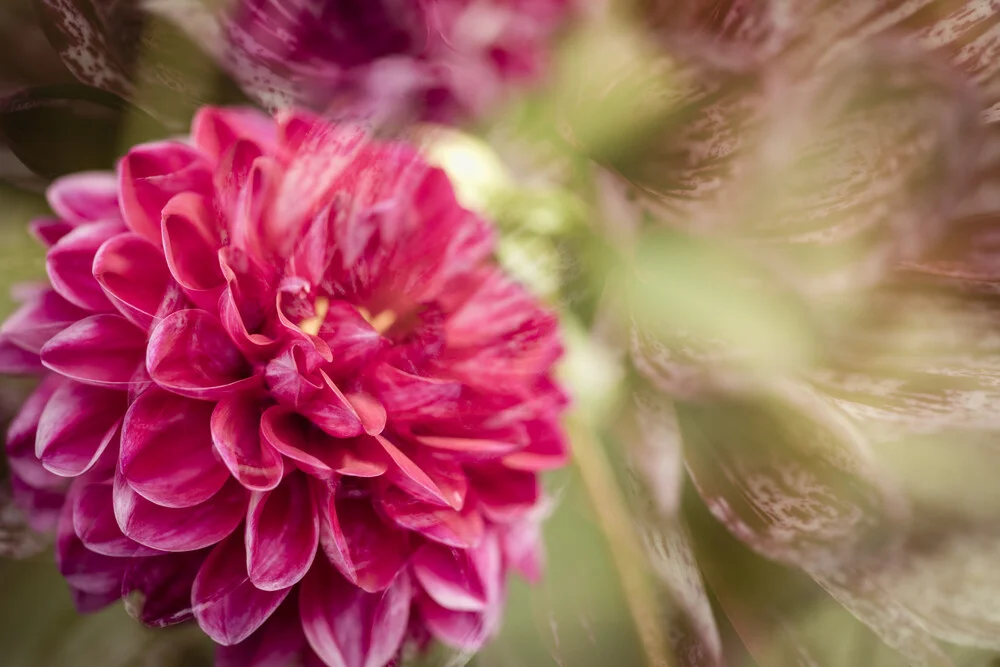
286,391
438,58
815,288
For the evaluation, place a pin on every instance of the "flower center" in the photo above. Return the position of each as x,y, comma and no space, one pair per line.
381,321
312,324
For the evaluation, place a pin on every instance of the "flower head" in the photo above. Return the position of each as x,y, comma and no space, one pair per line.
279,353
445,57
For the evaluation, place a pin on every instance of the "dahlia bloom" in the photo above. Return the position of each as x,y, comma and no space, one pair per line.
839,161
279,353
444,58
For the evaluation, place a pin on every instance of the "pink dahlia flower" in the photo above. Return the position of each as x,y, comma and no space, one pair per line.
444,57
275,353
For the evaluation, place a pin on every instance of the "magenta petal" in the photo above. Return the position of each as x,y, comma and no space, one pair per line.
70,265
407,396
504,495
48,231
95,580
226,605
85,197
461,529
450,578
190,354
254,345
191,243
278,643
360,544
157,589
317,453
39,319
288,375
427,479
76,426
484,446
15,360
151,174
133,275
469,630
236,434
282,534
548,448
22,434
95,525
102,350
179,529
215,130
167,455
352,340
348,627
331,411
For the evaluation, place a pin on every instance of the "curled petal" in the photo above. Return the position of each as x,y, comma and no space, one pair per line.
216,130
190,354
282,534
166,452
408,396
102,350
78,424
461,529
133,275
70,265
179,529
345,625
226,605
450,578
316,452
427,479
191,242
85,197
252,460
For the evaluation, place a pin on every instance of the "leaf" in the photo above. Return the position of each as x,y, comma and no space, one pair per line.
62,129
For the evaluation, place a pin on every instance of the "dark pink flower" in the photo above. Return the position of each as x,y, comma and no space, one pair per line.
280,352
444,57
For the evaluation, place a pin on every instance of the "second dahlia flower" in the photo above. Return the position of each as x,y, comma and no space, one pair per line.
285,391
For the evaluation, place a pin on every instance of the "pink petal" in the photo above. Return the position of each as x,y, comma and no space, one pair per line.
76,426
484,444
333,412
425,478
191,243
405,395
70,265
95,525
348,627
315,452
179,529
102,350
226,605
362,547
42,506
96,580
352,340
278,643
157,589
282,534
190,354
39,319
151,174
216,130
15,360
22,433
85,197
522,547
548,448
461,529
48,231
450,578
236,423
290,378
504,495
167,455
133,275
254,345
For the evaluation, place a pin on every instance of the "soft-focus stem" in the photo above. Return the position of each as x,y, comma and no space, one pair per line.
614,521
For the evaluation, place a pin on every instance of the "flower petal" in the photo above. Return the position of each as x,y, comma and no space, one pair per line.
70,265
548,448
95,525
179,529
348,627
316,452
455,528
191,243
39,319
278,643
102,350
84,197
167,455
133,275
282,534
450,578
78,424
157,590
358,542
96,580
226,605
426,478
253,461
190,354
151,174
